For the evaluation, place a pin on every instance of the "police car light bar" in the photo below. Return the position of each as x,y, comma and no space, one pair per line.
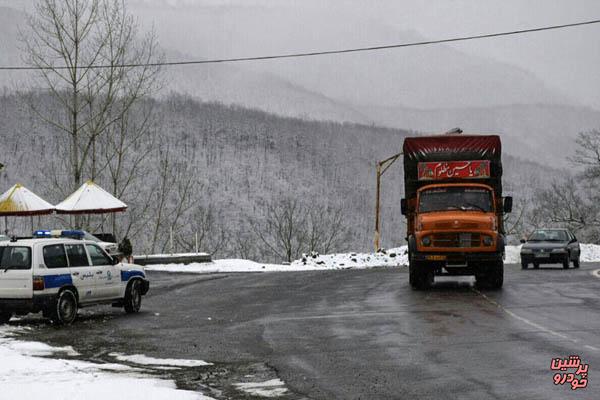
72,233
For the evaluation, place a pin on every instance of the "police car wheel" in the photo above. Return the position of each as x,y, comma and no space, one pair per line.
133,297
65,310
5,317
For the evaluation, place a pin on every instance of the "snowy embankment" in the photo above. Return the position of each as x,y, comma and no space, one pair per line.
26,374
391,258
397,257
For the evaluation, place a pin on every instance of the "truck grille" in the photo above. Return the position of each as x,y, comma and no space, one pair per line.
456,239
461,225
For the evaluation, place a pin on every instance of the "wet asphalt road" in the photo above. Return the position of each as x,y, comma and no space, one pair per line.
362,334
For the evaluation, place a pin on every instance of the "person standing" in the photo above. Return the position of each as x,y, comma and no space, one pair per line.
126,250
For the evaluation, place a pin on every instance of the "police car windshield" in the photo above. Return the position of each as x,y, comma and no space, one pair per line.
15,257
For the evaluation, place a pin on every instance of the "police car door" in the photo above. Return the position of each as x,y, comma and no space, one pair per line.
107,277
82,272
60,273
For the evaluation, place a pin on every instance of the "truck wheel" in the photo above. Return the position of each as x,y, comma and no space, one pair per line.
523,265
493,278
133,297
65,308
420,276
565,262
5,317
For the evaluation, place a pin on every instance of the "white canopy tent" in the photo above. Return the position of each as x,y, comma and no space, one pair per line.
90,199
19,201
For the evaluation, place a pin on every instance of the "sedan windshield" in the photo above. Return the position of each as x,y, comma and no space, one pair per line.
548,236
15,257
455,198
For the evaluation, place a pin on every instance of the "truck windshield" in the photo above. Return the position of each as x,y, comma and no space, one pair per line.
455,198
15,257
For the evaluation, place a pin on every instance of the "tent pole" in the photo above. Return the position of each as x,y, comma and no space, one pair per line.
32,223
6,225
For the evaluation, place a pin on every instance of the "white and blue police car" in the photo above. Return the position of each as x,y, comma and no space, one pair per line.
59,275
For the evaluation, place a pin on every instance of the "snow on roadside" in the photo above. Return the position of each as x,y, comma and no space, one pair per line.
141,359
25,375
392,258
512,254
397,257
590,252
271,388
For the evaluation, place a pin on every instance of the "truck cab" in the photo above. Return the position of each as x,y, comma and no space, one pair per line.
454,208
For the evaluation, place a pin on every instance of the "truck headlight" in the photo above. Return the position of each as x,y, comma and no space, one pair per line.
488,241
426,241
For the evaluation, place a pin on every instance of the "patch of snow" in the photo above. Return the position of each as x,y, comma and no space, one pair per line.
40,349
171,255
397,257
512,254
589,252
271,388
25,376
145,360
391,258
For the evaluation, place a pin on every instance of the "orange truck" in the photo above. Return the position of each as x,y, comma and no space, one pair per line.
454,208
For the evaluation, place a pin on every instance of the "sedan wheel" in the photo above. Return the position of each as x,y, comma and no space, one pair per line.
566,262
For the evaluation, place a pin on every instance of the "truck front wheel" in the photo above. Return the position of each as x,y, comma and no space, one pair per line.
493,278
420,275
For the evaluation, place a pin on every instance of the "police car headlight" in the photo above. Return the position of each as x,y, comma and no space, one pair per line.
426,241
488,241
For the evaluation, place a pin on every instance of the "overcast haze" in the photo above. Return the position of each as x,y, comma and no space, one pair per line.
565,60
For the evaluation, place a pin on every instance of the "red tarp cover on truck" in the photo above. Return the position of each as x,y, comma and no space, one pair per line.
451,148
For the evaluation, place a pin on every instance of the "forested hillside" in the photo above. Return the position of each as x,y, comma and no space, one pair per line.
221,170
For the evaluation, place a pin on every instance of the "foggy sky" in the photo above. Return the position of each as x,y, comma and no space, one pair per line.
565,60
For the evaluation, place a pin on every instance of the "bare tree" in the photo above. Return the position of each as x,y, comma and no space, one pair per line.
587,154
204,230
67,40
281,233
326,229
564,204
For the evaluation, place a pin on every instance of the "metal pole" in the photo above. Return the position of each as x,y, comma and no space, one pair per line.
171,237
6,225
196,238
377,207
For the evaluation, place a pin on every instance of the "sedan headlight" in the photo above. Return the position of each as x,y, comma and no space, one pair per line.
526,251
558,251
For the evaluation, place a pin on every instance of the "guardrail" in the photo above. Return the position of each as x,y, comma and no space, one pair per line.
186,258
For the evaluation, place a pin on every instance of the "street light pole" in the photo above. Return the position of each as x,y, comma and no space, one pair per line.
381,167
